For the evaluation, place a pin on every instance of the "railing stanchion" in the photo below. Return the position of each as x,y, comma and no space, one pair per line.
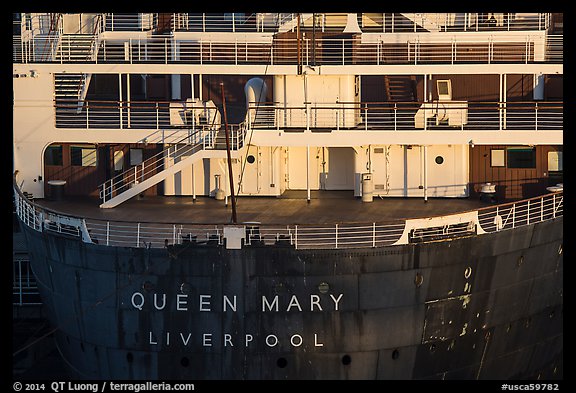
296,237
336,240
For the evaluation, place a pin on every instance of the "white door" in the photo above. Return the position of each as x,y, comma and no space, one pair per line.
340,174
251,165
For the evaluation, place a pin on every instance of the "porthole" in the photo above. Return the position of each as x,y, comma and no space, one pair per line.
439,160
468,272
323,287
520,260
185,288
346,360
147,286
418,280
281,362
251,159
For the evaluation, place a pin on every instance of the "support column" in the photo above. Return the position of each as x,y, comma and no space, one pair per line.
308,173
192,86
128,98
426,76
193,185
175,78
120,98
425,173
504,94
500,102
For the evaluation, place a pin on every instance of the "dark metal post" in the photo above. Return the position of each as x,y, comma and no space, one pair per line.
228,155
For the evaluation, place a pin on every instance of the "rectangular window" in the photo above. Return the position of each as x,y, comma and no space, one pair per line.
53,155
497,157
83,155
135,156
521,157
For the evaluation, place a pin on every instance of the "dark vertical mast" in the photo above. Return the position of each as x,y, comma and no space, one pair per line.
234,221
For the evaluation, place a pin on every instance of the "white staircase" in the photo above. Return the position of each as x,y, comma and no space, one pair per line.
70,91
289,21
425,20
76,48
183,153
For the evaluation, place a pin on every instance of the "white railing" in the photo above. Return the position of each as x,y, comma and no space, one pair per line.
186,146
537,115
337,236
373,22
129,22
191,143
163,49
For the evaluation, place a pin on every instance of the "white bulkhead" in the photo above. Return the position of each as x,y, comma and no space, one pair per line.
319,94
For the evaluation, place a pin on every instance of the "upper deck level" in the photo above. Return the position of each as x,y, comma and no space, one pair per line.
284,43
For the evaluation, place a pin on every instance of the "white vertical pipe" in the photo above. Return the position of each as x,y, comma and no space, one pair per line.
308,173
193,185
192,85
120,97
500,99
504,94
128,97
425,174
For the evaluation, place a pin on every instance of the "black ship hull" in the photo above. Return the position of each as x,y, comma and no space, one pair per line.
478,307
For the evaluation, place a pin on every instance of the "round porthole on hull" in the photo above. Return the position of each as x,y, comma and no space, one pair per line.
418,280
346,360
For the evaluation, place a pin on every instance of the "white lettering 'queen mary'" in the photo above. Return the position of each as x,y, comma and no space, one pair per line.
294,303
204,303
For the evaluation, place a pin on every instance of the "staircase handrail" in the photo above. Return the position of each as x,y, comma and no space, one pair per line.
202,138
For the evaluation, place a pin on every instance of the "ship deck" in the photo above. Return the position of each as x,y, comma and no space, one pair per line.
324,207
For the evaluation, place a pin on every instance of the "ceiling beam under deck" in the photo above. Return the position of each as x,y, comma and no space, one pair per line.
344,138
262,69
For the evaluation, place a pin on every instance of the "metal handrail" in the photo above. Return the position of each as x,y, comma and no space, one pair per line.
415,49
370,22
191,143
525,115
340,235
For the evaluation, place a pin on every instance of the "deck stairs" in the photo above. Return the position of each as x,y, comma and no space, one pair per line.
426,21
399,88
76,47
195,145
70,91
288,21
